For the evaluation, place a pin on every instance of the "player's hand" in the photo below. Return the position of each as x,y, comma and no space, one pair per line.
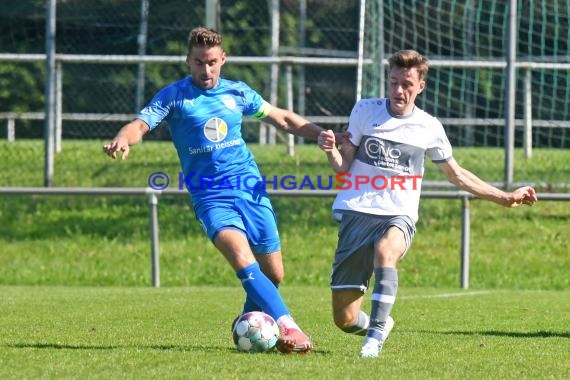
525,195
342,137
327,141
120,144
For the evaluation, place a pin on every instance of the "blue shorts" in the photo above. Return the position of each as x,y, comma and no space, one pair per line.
257,221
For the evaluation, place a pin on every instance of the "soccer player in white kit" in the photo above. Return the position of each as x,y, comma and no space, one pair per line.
380,168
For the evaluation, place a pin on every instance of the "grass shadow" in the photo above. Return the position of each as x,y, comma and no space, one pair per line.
510,334
160,347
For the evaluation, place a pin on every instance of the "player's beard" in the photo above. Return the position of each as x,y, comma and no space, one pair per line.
208,82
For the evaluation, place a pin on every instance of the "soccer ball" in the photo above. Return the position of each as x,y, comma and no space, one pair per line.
255,332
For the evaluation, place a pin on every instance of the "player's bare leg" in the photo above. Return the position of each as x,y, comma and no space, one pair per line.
272,265
236,250
347,311
292,339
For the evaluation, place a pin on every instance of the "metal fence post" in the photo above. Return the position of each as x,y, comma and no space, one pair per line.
527,120
154,243
465,238
510,94
11,129
50,106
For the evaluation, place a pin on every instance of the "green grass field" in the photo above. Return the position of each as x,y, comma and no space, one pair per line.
77,303
104,240
184,333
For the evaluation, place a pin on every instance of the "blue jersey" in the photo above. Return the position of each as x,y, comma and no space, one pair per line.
205,126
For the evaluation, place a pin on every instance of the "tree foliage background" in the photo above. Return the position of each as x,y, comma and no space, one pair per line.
441,29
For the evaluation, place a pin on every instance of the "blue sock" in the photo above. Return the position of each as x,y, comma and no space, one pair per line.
262,291
249,305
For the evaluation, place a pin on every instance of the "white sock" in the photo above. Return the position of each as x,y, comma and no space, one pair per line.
287,322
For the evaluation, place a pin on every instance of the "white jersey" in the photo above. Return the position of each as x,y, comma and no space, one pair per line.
385,176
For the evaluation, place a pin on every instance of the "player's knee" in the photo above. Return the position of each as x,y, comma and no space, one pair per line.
349,320
387,258
390,248
276,278
343,323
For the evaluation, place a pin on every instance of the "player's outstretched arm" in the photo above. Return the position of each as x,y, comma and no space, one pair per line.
131,134
465,180
293,123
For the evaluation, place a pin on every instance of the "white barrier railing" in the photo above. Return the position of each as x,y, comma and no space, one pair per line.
153,195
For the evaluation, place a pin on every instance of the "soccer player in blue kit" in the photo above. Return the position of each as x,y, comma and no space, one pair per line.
204,113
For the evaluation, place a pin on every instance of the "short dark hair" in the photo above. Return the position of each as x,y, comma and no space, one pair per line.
204,37
408,59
